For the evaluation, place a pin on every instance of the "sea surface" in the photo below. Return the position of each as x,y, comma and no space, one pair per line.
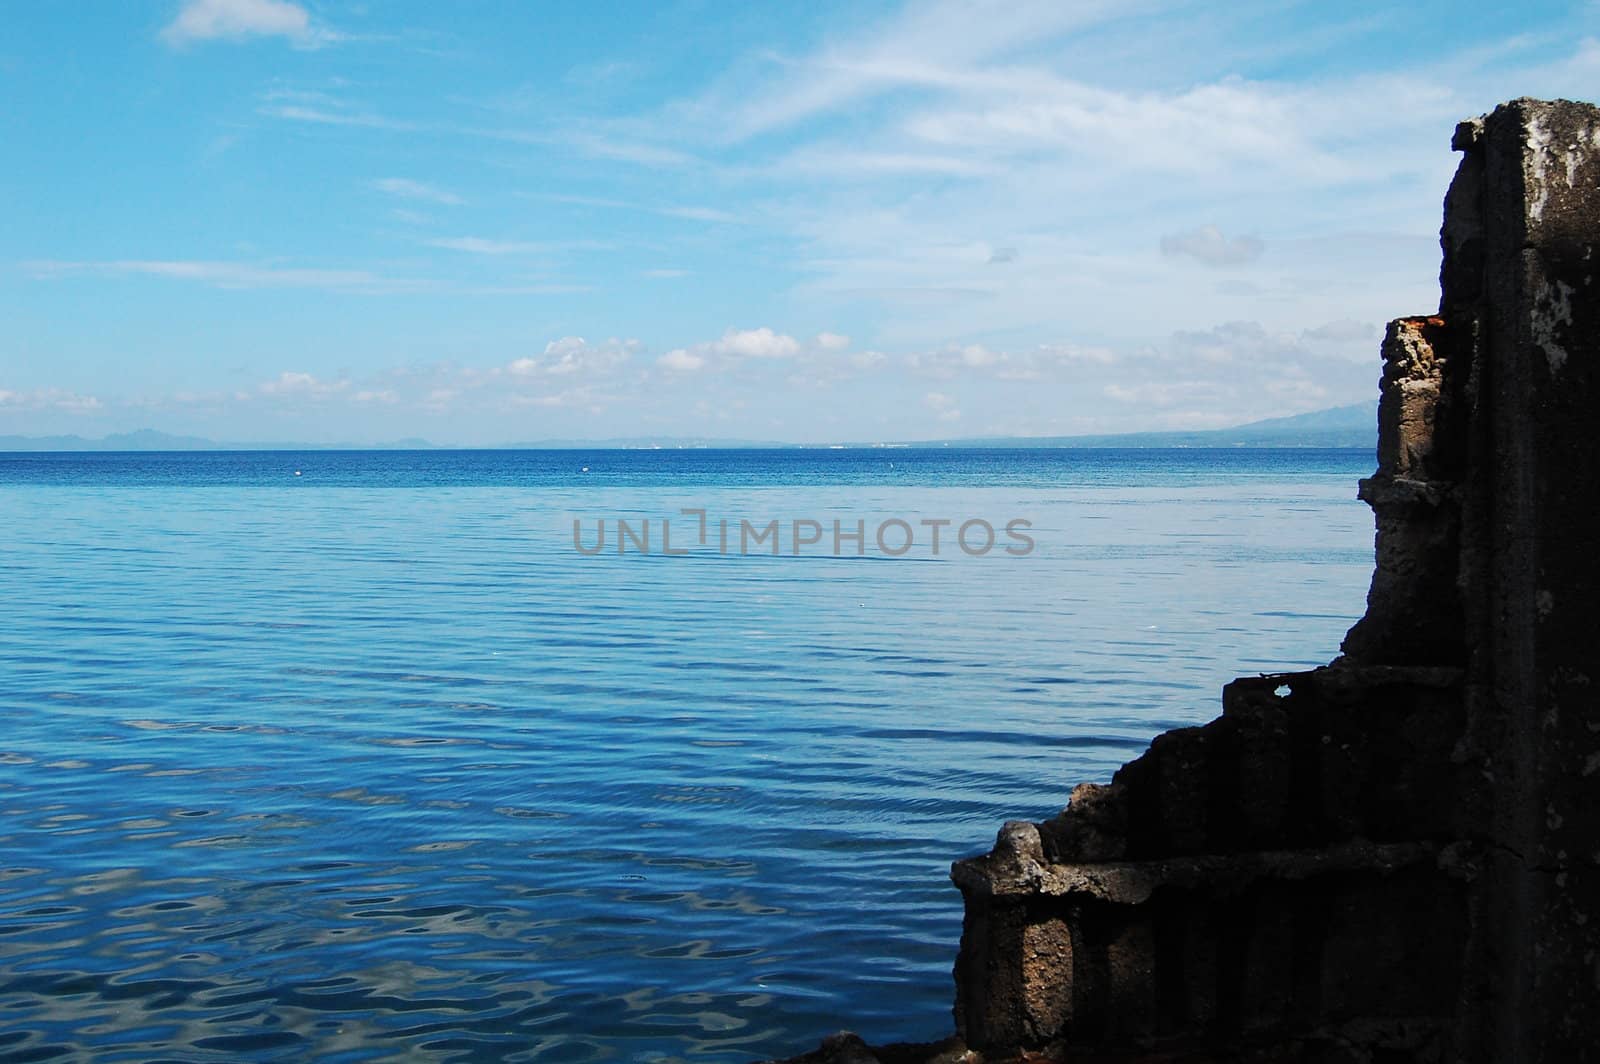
353,756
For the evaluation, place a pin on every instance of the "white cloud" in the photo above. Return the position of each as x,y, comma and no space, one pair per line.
608,148
239,275
680,360
573,356
942,405
317,107
1202,129
747,347
1236,341
1163,393
49,399
540,289
993,177
689,213
919,152
698,214
323,109
1027,364
1347,331
292,384
976,356
756,343
324,117
209,20
1240,370
843,163
1207,245
438,400
917,45
475,245
244,276
404,188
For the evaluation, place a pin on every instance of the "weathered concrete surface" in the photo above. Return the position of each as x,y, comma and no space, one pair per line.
848,1048
1519,277
1413,609
1395,857
1239,881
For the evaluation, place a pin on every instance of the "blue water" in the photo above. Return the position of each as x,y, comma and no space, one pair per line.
369,763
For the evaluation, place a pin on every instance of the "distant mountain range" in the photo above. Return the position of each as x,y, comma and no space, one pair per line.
1353,426
1340,426
648,443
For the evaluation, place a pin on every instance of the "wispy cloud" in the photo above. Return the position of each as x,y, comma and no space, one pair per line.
405,188
842,163
49,399
922,43
298,385
911,157
247,276
942,405
688,213
1207,245
318,109
1033,363
628,151
477,245
234,275
542,288
698,214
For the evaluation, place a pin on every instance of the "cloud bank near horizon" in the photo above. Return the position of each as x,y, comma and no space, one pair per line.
891,222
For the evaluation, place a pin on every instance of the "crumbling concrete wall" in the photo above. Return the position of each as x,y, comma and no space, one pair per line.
1239,884
1397,856
1519,278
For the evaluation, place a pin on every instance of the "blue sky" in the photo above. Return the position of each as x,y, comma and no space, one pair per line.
483,222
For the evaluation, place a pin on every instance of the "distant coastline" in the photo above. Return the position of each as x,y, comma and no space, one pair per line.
1335,428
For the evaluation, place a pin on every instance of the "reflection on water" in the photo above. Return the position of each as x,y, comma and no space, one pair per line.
363,774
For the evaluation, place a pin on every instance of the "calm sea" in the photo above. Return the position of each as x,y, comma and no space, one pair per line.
368,763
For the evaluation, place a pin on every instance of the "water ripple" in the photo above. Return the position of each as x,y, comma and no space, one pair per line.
351,774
